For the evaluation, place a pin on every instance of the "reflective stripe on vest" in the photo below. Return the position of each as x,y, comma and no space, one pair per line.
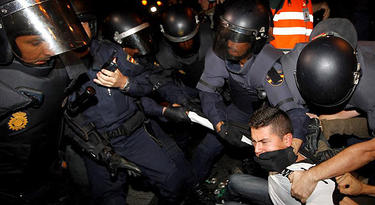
290,26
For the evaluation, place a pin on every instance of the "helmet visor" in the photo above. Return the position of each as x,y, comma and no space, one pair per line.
141,40
232,45
42,26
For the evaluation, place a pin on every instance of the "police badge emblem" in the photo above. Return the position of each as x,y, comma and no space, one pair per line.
18,121
275,78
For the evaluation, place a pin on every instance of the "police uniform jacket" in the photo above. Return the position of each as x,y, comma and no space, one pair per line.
113,107
30,105
245,84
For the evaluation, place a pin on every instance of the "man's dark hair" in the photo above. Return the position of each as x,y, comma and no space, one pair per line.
278,119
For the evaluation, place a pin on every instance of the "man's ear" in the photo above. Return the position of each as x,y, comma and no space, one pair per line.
287,139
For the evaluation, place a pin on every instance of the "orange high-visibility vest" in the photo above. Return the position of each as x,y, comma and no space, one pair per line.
291,24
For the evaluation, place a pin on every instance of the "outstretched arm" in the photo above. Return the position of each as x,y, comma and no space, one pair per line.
352,158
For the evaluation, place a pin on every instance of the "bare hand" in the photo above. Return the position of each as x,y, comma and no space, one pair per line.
327,10
302,185
322,5
111,79
296,144
347,184
312,115
347,201
218,126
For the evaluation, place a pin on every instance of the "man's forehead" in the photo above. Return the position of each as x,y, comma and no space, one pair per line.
261,133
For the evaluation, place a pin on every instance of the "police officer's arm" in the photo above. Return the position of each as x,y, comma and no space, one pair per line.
151,107
214,107
139,85
213,77
172,93
280,96
111,79
136,86
351,158
122,74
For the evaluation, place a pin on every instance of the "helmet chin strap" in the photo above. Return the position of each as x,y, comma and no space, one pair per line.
357,75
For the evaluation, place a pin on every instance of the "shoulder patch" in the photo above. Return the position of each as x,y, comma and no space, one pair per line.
182,72
18,121
131,59
275,78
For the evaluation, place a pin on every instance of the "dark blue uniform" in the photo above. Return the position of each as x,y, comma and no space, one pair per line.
362,96
245,84
160,160
30,109
185,72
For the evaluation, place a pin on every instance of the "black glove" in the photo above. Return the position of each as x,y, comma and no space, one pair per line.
193,105
313,135
233,132
118,162
176,114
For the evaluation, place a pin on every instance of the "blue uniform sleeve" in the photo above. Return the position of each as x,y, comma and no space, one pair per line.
173,93
299,121
213,106
151,107
214,73
139,85
279,95
213,78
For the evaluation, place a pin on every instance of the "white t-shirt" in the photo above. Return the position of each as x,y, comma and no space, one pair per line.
279,189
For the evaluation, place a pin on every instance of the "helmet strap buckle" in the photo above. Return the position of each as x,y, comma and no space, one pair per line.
357,74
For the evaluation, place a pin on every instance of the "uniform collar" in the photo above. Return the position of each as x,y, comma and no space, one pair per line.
40,70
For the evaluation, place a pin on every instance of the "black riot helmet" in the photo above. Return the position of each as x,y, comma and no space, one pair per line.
47,27
86,12
6,55
243,21
327,71
129,30
180,26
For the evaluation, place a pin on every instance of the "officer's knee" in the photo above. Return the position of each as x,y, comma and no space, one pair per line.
211,144
175,185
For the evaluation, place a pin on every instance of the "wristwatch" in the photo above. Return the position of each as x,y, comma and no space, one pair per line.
126,86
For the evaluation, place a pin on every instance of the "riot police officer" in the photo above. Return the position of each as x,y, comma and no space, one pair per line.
32,89
119,117
340,76
336,56
242,58
185,44
182,49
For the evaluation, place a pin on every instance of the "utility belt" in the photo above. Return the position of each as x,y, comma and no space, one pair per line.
128,127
